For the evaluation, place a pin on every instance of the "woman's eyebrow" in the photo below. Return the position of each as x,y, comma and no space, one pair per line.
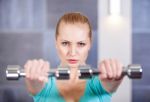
65,40
82,41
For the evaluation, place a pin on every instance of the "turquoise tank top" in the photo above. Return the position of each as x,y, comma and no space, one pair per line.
94,92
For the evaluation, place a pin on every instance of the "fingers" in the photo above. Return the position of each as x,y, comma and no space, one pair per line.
103,74
40,74
45,71
37,70
33,69
119,71
27,68
110,69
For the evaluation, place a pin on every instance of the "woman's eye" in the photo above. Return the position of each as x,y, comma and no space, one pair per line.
64,43
81,44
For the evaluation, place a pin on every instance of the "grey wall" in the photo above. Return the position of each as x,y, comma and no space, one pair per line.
27,30
141,48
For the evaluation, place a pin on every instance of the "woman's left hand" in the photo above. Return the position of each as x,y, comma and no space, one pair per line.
111,74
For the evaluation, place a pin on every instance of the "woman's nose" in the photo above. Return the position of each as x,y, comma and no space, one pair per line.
73,50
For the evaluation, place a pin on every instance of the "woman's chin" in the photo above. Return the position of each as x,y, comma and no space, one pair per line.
73,65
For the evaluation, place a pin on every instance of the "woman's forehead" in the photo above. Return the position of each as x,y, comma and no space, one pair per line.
72,38
70,27
73,29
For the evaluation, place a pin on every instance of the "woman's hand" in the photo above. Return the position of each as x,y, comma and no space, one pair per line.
110,76
36,75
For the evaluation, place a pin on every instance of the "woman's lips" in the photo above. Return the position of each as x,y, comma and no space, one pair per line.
72,61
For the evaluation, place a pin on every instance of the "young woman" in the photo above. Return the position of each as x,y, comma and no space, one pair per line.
73,42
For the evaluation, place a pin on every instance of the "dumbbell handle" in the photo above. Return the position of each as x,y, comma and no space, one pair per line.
14,72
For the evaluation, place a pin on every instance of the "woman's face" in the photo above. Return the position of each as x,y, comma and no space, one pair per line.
73,44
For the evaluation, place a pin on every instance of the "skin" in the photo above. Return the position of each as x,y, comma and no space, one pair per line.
72,42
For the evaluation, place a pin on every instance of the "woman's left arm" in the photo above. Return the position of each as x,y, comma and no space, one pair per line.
110,76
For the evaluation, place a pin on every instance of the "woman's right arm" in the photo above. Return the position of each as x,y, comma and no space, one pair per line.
36,75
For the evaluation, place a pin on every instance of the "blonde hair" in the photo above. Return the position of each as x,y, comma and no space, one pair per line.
72,18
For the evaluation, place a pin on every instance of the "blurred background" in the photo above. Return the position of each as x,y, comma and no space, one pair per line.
27,31
141,48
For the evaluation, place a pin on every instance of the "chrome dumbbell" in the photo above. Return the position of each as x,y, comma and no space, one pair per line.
14,72
133,71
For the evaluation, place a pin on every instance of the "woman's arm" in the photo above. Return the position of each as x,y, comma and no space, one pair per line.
36,75
110,76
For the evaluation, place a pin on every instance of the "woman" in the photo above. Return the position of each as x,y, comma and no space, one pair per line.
73,42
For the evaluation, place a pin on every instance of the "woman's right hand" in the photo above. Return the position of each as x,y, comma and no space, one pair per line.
36,75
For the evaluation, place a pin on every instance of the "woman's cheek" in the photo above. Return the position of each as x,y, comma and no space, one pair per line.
63,51
84,55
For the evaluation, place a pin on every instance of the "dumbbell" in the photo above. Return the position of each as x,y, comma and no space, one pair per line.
14,72
133,71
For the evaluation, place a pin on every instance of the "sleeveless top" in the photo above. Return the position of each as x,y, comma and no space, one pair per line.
94,92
